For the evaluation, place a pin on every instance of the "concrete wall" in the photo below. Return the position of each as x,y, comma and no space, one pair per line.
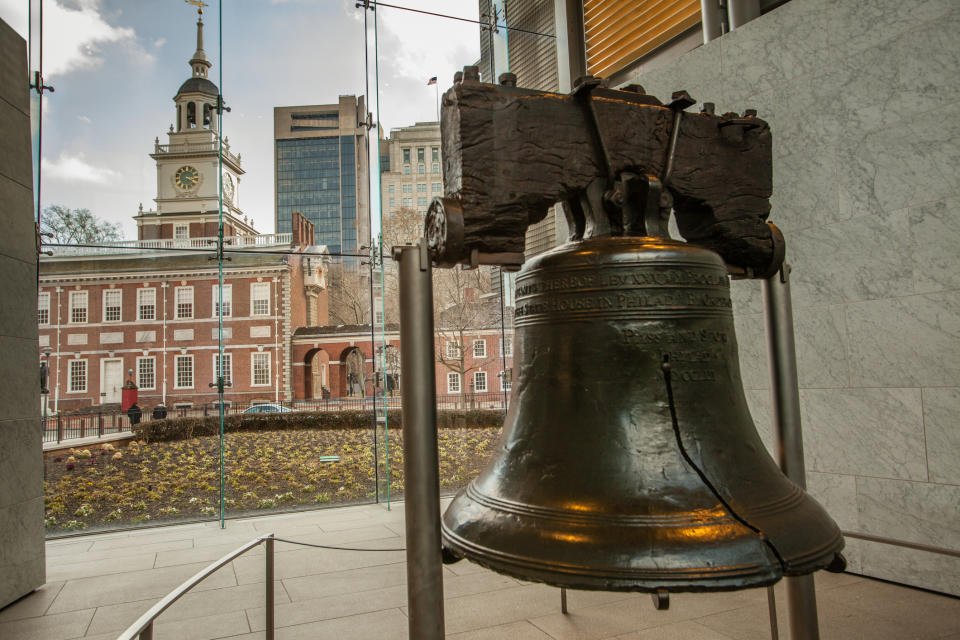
21,466
862,101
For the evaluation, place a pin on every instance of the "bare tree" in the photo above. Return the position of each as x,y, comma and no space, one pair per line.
348,290
76,226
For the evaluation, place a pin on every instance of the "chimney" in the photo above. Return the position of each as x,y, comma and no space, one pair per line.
302,230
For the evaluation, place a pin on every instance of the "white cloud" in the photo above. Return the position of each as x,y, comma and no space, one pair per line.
159,42
74,168
73,36
85,119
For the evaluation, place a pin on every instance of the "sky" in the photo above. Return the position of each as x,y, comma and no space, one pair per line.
116,65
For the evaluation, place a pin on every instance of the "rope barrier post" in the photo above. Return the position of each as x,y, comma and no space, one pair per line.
270,604
147,633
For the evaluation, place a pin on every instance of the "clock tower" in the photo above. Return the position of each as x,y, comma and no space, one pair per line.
190,165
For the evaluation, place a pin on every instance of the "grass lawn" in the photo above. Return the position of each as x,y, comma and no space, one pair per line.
101,488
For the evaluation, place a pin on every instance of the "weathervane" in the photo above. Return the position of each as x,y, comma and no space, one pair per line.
199,4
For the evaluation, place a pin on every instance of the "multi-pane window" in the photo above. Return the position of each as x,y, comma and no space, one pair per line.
183,365
435,154
479,348
422,187
43,308
506,347
408,188
181,231
78,376
453,383
393,202
260,299
479,381
421,169
184,303
112,303
147,304
453,349
406,155
147,372
505,380
391,188
435,168
406,169
436,187
78,307
421,202
227,368
420,152
260,363
227,300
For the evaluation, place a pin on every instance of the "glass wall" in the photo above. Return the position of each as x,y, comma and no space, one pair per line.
220,187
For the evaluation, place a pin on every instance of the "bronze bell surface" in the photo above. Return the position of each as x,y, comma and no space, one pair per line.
629,460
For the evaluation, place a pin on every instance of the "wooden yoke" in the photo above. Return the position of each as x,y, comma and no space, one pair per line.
617,161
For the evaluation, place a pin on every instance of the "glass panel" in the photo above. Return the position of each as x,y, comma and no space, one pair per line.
469,316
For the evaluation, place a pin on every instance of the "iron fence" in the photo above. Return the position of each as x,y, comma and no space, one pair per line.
59,428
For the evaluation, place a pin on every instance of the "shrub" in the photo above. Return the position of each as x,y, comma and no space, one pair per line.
172,429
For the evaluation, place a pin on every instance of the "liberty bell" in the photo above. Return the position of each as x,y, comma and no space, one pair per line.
629,459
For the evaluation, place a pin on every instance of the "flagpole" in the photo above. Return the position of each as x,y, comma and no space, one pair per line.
436,87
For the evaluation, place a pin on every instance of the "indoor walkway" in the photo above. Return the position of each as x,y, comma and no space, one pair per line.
98,585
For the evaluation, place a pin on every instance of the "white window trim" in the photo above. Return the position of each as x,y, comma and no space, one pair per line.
506,347
139,383
86,375
103,303
453,376
483,348
176,372
253,378
452,351
141,293
178,227
227,299
176,303
253,287
227,379
476,387
86,306
503,385
41,306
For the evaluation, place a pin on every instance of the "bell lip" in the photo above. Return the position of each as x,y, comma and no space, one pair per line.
653,249
644,581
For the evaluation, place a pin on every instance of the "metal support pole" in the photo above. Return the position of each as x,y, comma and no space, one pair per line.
421,461
710,14
741,12
147,633
788,435
571,49
772,612
563,600
271,608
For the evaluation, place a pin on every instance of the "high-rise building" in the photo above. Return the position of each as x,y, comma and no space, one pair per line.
321,170
410,170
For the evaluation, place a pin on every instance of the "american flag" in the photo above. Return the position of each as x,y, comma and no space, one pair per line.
432,80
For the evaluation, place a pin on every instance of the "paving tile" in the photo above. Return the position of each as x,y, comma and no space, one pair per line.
122,552
111,542
312,561
499,607
351,581
382,625
514,631
193,606
222,625
98,591
50,627
32,605
100,567
929,614
339,606
455,586
63,548
676,631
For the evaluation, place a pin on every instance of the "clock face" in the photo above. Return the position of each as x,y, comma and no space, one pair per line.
227,187
186,178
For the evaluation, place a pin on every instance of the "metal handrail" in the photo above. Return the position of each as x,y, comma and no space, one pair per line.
143,627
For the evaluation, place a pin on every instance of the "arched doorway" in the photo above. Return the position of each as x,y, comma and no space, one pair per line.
316,383
354,373
391,362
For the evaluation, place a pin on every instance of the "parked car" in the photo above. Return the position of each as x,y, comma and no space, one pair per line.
268,408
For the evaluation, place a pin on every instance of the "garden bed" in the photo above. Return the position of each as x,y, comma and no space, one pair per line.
264,471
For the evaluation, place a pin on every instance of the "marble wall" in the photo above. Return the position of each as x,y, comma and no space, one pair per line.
21,466
862,98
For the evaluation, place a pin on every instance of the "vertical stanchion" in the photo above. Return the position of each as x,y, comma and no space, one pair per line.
772,612
147,633
421,463
787,431
270,605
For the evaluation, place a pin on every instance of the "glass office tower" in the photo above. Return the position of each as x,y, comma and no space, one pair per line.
320,161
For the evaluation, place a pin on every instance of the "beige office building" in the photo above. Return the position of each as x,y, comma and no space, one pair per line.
410,168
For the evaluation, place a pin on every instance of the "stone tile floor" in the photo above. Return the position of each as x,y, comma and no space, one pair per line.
99,584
